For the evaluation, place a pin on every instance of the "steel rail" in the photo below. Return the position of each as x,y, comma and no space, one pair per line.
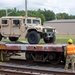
29,71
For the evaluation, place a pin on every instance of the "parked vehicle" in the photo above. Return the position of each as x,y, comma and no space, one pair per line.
14,27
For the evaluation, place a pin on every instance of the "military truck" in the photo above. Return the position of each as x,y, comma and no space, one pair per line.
14,27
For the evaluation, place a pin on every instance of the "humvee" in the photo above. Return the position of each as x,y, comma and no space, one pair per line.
14,27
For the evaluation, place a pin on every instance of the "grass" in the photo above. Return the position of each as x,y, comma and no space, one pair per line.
60,39
63,39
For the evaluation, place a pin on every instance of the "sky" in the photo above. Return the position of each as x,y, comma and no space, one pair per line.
57,6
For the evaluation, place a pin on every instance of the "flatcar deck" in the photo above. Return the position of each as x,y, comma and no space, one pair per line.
32,47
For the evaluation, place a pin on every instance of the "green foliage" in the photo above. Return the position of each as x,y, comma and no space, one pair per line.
2,13
49,15
71,16
42,18
21,13
45,15
62,16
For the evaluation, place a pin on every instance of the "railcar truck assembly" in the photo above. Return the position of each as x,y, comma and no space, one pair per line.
53,53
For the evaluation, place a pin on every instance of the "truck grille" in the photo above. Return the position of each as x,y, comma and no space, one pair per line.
47,30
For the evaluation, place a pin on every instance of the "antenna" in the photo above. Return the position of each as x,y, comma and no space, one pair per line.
26,14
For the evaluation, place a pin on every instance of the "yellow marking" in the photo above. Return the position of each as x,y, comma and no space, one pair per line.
2,47
39,47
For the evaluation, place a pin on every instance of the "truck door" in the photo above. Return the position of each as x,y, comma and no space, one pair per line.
5,26
15,27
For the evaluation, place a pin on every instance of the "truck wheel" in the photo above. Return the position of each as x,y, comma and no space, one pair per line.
33,37
50,40
13,38
0,37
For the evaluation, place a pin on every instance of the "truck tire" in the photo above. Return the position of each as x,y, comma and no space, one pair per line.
0,37
13,38
33,37
50,40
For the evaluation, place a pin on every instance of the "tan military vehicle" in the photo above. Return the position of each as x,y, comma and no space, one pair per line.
14,27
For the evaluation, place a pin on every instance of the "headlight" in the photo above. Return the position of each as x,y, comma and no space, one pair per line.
45,30
53,30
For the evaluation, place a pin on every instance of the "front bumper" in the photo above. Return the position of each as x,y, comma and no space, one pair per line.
48,35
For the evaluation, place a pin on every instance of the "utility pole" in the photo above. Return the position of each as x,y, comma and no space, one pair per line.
6,12
26,14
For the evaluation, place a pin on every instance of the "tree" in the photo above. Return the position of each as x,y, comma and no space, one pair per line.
42,18
62,16
49,15
21,13
2,13
71,16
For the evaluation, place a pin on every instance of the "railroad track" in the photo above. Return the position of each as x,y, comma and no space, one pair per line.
13,69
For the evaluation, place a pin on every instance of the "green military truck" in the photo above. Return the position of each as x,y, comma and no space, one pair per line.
15,27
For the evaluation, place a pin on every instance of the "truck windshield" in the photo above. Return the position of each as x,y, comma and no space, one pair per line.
28,21
36,22
33,21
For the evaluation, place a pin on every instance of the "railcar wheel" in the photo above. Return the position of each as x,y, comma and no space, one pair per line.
13,38
28,56
54,58
3,57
